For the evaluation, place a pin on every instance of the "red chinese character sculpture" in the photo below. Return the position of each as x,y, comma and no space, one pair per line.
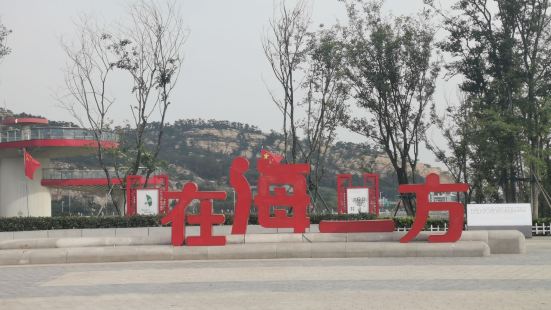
276,175
455,209
244,196
205,218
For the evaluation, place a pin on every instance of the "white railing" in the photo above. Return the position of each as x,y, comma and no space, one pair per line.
54,133
541,230
430,228
64,174
537,230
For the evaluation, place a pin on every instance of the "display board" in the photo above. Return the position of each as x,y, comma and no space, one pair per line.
499,214
147,201
357,200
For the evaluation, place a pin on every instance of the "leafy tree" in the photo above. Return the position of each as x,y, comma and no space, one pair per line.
4,32
455,126
393,79
324,104
309,68
502,50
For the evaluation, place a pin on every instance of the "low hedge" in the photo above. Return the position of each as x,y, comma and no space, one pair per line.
74,222
543,220
80,222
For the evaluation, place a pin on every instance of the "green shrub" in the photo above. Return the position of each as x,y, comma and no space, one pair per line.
74,222
80,222
543,220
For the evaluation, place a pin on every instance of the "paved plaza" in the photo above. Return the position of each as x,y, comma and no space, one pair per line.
495,282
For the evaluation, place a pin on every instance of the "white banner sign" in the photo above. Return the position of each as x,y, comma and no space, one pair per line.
499,214
357,200
147,201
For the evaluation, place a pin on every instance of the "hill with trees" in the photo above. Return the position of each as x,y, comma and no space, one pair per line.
201,151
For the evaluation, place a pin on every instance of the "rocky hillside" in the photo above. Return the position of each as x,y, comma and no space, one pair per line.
203,150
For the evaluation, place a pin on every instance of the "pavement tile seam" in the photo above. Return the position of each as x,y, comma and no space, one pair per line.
281,286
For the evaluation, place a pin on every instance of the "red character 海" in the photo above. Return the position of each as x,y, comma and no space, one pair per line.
273,176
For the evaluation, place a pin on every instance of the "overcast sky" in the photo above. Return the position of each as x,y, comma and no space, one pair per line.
224,75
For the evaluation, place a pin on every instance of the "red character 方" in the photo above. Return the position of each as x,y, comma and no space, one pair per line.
273,175
205,218
455,209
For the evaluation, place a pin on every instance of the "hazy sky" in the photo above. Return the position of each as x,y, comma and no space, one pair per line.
224,75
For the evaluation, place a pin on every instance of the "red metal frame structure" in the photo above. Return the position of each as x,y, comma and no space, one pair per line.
343,182
370,181
78,182
9,121
57,143
135,182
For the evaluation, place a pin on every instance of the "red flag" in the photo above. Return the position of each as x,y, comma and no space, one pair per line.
31,164
272,158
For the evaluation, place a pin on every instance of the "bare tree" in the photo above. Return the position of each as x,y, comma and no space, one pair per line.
149,48
150,51
88,69
285,46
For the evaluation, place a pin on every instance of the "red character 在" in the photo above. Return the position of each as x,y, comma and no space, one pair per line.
276,176
455,209
205,218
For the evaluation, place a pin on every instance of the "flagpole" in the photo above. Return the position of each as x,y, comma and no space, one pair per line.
26,184
27,192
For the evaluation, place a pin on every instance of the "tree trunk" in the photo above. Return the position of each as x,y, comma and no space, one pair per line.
406,198
535,192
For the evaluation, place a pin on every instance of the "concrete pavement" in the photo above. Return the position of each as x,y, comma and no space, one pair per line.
494,282
134,246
